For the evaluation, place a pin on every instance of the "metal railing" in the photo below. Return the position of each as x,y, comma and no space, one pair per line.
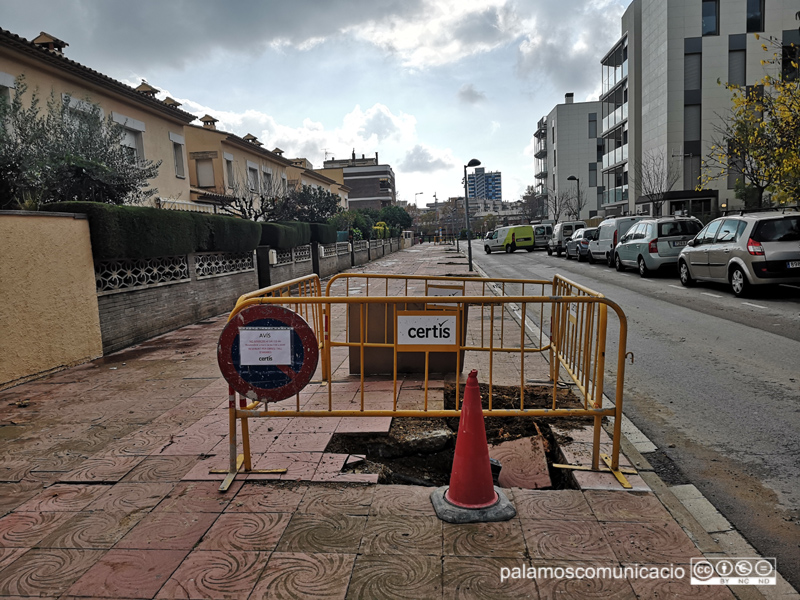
505,320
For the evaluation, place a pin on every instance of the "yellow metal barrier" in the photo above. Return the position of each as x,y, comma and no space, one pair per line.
357,317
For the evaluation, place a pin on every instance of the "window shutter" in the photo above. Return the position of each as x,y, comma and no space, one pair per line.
692,71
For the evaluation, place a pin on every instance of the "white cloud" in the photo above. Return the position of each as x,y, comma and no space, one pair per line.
420,160
469,95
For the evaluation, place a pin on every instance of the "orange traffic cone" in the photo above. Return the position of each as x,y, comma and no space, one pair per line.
471,497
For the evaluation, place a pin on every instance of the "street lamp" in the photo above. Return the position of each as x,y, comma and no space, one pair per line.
473,163
415,197
577,180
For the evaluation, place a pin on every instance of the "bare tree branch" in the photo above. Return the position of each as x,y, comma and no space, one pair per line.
657,174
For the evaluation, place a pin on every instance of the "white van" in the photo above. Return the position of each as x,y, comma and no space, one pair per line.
542,232
561,233
609,232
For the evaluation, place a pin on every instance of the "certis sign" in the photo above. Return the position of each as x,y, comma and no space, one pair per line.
433,331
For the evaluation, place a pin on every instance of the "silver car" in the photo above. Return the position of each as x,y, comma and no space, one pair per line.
748,249
578,244
655,243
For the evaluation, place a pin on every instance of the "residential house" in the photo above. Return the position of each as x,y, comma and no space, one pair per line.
153,128
371,184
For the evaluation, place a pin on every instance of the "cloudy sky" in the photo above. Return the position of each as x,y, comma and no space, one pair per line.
428,84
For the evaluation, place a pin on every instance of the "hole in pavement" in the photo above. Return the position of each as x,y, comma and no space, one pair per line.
419,451
667,470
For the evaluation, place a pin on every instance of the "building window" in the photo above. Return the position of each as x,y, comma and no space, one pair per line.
554,158
691,123
177,150
384,184
790,56
252,178
592,174
132,142
229,172
755,16
592,125
691,172
205,173
711,17
692,71
736,67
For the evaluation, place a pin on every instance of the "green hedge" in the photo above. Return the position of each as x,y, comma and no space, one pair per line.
144,232
303,231
278,236
323,233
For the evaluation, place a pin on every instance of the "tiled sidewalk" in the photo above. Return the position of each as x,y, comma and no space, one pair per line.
104,493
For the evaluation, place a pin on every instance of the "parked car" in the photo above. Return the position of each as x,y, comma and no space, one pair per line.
609,233
745,250
509,239
561,233
578,244
653,244
541,235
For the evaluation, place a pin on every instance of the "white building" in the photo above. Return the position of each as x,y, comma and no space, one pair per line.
661,98
568,155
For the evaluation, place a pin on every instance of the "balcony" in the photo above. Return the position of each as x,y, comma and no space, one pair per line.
541,128
615,195
617,155
541,174
619,116
541,149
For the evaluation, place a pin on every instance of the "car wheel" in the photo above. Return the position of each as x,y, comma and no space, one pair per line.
590,257
567,255
684,274
643,270
618,263
488,250
739,283
549,251
529,249
558,252
609,260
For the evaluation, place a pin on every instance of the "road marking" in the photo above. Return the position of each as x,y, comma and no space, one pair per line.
647,280
677,287
753,305
709,294
797,287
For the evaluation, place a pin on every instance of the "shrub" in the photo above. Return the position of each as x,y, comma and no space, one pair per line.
303,231
323,233
143,232
278,236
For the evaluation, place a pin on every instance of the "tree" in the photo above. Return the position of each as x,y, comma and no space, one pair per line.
396,216
267,201
758,141
68,152
574,203
557,204
657,175
533,204
490,222
312,204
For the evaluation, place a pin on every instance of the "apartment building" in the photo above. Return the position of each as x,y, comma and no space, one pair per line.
154,129
371,184
568,154
662,95
485,186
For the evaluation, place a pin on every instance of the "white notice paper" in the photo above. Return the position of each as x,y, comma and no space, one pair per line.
265,346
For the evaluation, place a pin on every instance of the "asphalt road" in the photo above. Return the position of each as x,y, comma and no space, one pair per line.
715,385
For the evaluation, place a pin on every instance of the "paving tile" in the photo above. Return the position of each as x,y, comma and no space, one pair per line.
300,442
390,535
198,496
128,574
566,540
336,499
410,576
292,575
9,555
364,425
13,495
470,577
402,500
245,531
127,498
591,480
63,498
567,505
313,425
596,588
323,533
25,529
647,543
92,530
215,574
46,572
484,539
524,463
277,497
626,506
300,466
109,468
157,469
167,531
679,589
12,471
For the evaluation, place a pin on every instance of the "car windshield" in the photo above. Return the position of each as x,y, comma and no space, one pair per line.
778,230
678,228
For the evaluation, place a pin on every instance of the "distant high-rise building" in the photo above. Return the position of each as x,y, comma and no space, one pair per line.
371,183
485,186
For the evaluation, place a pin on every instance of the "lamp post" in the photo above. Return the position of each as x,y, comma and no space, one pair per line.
415,197
577,181
472,163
